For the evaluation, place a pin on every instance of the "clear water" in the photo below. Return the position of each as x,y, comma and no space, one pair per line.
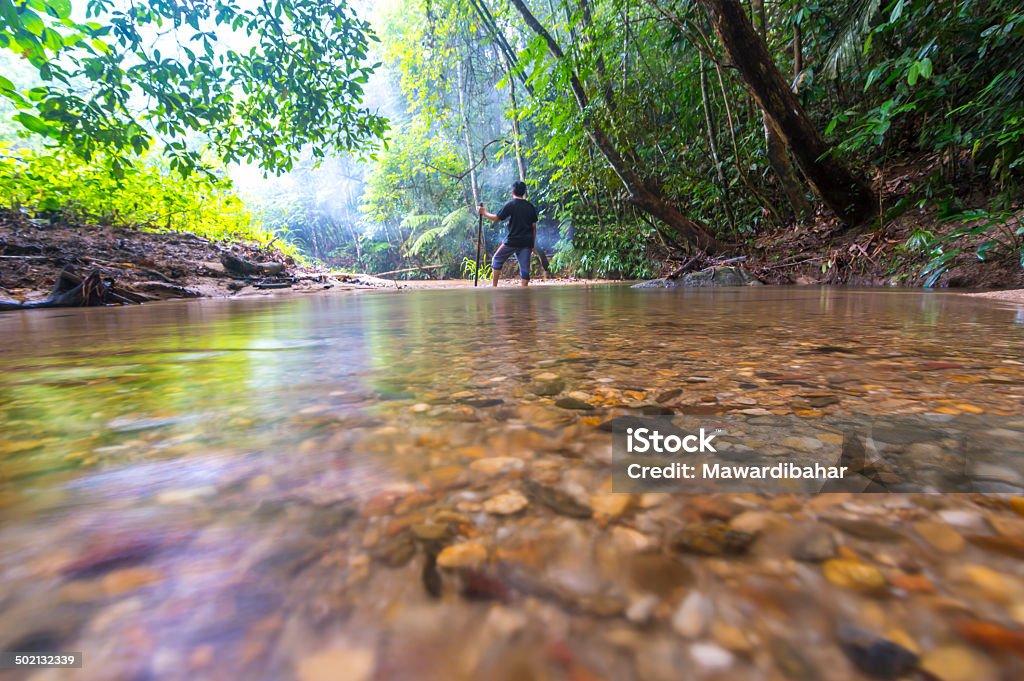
253,488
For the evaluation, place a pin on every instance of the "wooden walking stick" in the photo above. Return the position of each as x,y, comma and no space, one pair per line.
479,234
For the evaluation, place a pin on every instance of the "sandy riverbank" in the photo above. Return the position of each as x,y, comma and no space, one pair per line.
1013,295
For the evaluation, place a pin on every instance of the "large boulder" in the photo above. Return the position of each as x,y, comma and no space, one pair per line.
712,276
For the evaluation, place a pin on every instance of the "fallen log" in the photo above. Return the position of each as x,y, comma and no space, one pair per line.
245,268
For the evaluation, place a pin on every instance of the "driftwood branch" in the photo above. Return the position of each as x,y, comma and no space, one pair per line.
409,269
690,264
791,264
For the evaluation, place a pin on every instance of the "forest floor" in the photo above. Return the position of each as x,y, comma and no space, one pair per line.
813,251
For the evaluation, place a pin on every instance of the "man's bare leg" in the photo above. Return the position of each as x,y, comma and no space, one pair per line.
524,282
495,275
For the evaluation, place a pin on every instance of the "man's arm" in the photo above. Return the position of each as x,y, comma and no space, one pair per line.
490,216
535,235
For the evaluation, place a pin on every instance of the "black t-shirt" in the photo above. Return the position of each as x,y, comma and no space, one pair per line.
521,216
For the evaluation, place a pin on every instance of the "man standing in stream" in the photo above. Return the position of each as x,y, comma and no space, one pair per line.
522,233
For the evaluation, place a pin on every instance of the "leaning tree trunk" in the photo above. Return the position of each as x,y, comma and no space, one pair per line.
843,192
642,193
520,163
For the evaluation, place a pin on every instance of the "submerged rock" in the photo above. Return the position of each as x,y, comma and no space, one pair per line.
466,554
574,403
712,276
693,616
506,504
395,552
853,575
713,539
817,546
876,657
557,500
358,664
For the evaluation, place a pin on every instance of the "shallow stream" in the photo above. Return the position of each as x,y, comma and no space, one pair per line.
416,485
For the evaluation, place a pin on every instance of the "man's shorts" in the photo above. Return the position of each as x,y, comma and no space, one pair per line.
505,252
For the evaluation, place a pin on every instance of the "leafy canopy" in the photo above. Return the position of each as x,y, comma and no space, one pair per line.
255,81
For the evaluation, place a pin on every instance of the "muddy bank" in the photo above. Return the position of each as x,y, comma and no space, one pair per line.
144,265
812,254
165,265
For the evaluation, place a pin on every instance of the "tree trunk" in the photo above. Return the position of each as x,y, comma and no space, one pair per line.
798,55
355,241
847,195
602,71
646,197
723,184
465,135
516,142
793,188
775,150
494,31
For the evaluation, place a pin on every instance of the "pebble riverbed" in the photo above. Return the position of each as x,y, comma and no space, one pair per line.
416,485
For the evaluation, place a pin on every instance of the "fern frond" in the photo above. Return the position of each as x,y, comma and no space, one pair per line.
416,220
459,218
424,240
850,30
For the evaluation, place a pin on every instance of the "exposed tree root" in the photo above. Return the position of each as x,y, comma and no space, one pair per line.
70,290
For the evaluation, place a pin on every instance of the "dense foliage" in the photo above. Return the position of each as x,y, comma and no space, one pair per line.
62,187
936,84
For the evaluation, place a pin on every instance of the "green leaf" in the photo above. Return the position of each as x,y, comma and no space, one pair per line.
34,123
897,11
32,22
61,8
913,73
926,68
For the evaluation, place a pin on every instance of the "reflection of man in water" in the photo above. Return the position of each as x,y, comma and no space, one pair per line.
522,232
